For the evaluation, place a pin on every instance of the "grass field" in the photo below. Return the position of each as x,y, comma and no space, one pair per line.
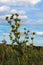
21,55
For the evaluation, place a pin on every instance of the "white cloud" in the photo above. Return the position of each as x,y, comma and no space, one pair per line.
23,17
4,9
39,33
8,10
34,1
7,2
19,2
20,12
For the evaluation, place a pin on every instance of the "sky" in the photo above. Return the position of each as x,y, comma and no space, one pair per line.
31,15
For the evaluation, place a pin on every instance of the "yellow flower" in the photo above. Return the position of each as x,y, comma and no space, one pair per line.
20,33
10,36
19,24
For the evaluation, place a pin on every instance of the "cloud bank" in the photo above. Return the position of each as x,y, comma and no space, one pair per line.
4,9
19,2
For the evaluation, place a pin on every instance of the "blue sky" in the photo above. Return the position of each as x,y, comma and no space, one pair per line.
31,14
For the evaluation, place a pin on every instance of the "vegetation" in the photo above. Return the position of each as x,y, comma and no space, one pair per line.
19,54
